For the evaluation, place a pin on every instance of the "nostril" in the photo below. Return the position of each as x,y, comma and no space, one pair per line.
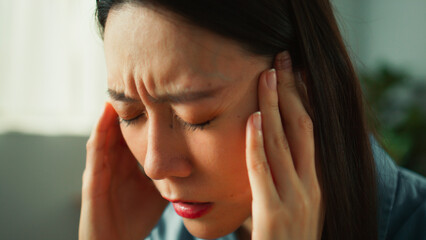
153,170
165,154
160,166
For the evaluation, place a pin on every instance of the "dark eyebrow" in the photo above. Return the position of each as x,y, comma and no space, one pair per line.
120,96
172,98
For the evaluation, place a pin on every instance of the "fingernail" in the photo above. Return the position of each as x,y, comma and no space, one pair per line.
272,79
283,61
257,121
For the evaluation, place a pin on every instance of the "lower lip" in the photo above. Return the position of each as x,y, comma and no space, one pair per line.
192,210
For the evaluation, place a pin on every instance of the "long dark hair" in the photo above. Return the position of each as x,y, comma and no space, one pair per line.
308,30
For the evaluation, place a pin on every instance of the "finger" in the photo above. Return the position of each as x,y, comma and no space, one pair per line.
261,183
113,143
96,144
303,91
276,145
114,131
297,123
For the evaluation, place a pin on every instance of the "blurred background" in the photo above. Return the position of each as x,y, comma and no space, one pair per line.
53,86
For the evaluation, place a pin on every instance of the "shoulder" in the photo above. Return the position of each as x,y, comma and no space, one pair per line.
402,199
408,219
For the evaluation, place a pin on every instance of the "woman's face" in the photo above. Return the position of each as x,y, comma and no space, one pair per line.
175,77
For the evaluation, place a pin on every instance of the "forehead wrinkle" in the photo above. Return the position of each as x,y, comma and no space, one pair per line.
124,84
130,88
165,75
171,78
141,88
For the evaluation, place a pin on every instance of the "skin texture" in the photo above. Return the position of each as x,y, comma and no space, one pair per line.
193,165
280,152
236,156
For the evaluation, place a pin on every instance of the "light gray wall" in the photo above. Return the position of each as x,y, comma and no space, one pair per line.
397,33
385,31
351,17
40,182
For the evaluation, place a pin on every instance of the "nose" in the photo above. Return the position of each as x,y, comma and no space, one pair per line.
165,155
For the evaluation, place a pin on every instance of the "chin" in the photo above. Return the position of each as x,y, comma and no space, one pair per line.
207,231
212,227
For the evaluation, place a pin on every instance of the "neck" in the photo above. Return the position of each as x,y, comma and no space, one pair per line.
244,232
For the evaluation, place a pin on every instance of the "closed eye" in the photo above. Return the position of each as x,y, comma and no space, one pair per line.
129,122
193,126
187,125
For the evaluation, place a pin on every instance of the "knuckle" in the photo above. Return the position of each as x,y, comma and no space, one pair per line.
260,166
279,141
272,104
90,144
303,206
315,193
256,146
285,144
93,145
305,123
288,84
302,203
279,216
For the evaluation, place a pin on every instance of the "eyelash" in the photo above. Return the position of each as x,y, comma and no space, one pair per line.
189,126
192,126
128,122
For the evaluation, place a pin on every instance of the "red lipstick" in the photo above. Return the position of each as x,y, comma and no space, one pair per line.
191,209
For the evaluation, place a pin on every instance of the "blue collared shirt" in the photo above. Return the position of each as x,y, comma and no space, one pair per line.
402,206
402,200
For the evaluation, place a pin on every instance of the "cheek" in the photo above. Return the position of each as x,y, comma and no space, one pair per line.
220,159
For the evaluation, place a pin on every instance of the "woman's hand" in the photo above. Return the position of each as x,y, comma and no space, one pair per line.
280,155
118,200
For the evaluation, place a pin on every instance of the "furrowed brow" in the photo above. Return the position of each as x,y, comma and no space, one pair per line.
184,97
171,98
120,96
